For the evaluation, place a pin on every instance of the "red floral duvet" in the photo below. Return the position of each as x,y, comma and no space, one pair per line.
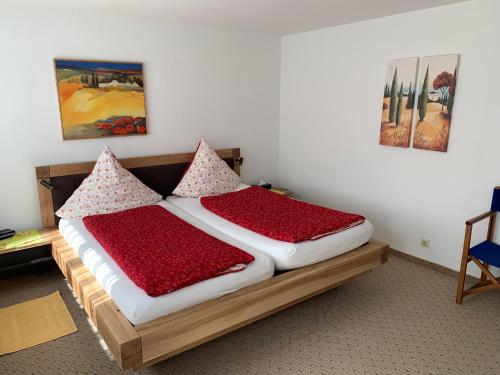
279,217
160,252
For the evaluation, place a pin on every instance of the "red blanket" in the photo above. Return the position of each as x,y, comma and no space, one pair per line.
279,217
160,252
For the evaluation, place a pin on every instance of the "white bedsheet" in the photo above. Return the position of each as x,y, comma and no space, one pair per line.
134,303
285,255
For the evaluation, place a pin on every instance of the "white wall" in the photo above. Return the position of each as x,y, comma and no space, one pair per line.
223,85
331,94
226,86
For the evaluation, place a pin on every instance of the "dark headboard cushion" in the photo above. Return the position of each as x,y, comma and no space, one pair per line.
161,178
162,173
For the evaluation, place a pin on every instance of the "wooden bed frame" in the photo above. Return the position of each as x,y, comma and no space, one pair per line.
146,344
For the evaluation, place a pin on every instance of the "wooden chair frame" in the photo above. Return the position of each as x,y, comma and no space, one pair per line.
488,280
146,344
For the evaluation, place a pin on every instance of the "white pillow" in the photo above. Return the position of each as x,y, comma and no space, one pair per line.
109,188
208,174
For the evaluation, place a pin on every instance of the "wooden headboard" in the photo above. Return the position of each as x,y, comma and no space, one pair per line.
161,173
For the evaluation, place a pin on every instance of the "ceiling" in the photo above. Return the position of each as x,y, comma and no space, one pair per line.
279,17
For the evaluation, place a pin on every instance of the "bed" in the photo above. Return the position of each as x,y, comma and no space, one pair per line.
285,255
139,343
133,302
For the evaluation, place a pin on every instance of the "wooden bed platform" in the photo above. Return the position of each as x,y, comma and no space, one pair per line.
146,344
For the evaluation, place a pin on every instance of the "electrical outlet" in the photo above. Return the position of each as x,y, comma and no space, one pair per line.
424,242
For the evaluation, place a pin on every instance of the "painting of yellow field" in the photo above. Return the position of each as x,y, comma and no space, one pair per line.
398,103
100,98
436,93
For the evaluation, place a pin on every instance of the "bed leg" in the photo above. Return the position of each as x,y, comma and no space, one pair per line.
120,336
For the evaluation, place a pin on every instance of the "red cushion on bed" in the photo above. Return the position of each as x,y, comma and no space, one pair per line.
279,217
160,252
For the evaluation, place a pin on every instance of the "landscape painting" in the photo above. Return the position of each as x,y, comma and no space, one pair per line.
100,98
436,93
398,103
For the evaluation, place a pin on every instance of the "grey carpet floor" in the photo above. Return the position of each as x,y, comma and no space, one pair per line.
399,319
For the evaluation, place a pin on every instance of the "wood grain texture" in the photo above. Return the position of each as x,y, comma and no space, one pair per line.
46,205
180,331
47,235
478,218
58,170
120,336
235,154
42,172
146,344
282,191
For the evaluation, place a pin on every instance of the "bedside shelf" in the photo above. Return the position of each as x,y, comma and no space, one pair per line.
46,237
34,254
282,191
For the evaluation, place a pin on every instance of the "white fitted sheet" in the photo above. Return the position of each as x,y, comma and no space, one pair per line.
134,303
285,255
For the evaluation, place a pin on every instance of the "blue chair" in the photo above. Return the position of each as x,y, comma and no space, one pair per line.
485,254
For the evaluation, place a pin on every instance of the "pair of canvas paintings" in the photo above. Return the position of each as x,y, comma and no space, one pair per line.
427,107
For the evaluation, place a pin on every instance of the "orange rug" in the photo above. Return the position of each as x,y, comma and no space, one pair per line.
34,322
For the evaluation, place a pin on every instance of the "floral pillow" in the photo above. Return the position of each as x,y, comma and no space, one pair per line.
208,174
109,188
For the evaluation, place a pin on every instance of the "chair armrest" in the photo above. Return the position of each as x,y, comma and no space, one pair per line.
476,219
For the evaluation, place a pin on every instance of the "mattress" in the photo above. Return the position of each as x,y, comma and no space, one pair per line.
133,302
285,255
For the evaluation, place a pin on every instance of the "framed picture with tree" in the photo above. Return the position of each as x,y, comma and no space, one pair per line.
436,94
398,102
